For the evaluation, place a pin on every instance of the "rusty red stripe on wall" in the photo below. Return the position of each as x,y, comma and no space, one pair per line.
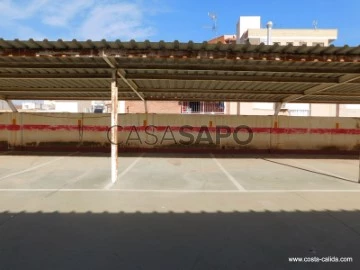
65,127
258,130
289,131
335,131
9,127
53,128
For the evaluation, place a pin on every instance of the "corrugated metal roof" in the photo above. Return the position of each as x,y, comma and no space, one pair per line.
49,47
179,71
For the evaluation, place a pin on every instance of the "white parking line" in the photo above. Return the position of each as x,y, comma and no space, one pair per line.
228,175
35,167
108,186
180,191
308,168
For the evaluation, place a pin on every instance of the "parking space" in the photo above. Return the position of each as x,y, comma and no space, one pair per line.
46,171
175,172
340,167
179,172
292,173
174,211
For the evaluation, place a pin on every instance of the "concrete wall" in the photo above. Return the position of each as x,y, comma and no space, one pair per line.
349,110
4,106
153,107
231,108
323,110
67,131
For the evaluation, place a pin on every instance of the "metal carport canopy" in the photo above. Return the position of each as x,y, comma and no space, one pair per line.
82,70
79,70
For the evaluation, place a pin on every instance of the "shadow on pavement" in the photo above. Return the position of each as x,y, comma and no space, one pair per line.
236,240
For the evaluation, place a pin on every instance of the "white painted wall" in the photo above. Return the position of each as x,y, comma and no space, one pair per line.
269,132
66,107
121,106
245,23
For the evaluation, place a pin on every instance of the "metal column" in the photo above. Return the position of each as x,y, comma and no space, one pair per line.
114,129
145,106
238,108
337,114
278,106
11,105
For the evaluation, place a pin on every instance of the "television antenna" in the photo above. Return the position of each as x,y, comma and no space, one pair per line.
213,17
315,24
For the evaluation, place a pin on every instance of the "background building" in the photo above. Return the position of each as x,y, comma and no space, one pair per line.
248,30
226,39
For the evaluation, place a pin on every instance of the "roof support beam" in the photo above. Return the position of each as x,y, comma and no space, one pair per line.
79,91
11,105
348,78
45,65
9,102
129,83
241,78
132,86
121,73
255,66
229,91
341,82
109,62
67,76
49,97
320,88
278,106
58,91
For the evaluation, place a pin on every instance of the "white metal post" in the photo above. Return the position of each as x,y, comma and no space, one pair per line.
114,129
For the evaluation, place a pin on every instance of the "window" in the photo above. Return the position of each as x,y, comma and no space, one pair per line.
203,107
299,112
298,109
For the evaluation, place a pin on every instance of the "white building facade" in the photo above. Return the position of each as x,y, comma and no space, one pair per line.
248,30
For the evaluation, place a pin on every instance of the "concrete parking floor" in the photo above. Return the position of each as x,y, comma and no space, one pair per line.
174,211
